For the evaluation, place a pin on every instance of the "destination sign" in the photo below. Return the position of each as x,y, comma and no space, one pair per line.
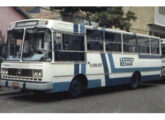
26,23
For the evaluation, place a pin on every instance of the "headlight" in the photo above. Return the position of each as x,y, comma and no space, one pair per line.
5,71
37,73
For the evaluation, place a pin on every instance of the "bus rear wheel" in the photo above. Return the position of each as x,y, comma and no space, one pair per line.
135,80
76,88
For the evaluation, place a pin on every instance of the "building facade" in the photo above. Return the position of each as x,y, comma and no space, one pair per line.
150,20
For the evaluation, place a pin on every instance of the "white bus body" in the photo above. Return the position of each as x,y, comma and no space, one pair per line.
96,68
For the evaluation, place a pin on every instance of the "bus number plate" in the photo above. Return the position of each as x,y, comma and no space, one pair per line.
15,85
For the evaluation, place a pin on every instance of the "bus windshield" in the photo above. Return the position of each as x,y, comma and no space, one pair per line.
15,38
37,45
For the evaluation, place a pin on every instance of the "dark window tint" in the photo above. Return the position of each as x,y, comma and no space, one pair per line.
112,41
94,35
95,40
143,45
69,47
129,42
73,42
69,56
95,45
154,46
113,37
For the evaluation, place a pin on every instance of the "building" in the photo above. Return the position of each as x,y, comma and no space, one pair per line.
8,15
150,20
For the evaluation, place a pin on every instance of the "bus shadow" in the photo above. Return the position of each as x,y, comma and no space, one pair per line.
55,97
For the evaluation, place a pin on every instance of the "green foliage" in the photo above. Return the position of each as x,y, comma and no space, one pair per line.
115,17
106,17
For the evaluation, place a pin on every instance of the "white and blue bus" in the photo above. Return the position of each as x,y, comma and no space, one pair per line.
55,56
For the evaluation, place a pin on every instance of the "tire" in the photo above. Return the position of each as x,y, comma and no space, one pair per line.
135,80
76,88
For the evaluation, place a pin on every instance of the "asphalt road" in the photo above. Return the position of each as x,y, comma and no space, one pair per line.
148,98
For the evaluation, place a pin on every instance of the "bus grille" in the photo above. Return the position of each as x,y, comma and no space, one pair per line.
20,72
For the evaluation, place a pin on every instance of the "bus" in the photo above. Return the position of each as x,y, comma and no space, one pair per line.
2,54
163,58
56,56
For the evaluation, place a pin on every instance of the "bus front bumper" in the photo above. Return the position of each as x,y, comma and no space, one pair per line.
26,85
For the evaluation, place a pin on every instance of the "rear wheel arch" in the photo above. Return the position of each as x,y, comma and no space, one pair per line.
83,79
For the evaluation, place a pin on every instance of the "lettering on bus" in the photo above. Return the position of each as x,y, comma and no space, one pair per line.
95,64
125,61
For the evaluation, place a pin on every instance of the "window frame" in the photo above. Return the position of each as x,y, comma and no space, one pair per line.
97,51
113,32
69,51
144,36
159,47
136,43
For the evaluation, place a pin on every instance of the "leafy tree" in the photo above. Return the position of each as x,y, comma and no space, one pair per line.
104,16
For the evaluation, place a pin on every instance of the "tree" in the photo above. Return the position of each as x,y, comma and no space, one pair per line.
105,16
73,10
115,17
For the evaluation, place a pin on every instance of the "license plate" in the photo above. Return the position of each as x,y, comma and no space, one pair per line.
15,85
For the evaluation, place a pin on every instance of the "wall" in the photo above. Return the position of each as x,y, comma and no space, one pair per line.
145,16
8,15
159,18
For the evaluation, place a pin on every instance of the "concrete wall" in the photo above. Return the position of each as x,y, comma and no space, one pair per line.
8,15
159,18
145,16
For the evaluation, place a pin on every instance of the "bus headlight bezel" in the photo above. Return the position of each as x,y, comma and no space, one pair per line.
37,73
4,71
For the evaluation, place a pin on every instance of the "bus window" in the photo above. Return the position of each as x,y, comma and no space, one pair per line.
163,50
112,41
37,45
69,48
15,38
95,40
154,46
143,45
129,42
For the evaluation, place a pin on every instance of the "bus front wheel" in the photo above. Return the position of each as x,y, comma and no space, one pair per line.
76,88
135,80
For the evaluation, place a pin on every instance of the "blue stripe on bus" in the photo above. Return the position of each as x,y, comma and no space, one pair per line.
94,83
60,87
150,77
64,86
149,56
120,81
75,28
76,68
83,69
118,70
106,71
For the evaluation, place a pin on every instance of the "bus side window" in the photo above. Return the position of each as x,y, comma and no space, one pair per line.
94,40
154,46
72,48
113,41
129,42
143,44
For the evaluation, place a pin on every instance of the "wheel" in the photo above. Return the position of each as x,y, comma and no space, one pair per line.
135,80
76,88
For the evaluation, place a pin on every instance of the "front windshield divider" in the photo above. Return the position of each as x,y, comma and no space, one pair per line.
22,45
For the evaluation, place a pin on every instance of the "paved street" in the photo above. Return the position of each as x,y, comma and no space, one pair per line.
150,97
